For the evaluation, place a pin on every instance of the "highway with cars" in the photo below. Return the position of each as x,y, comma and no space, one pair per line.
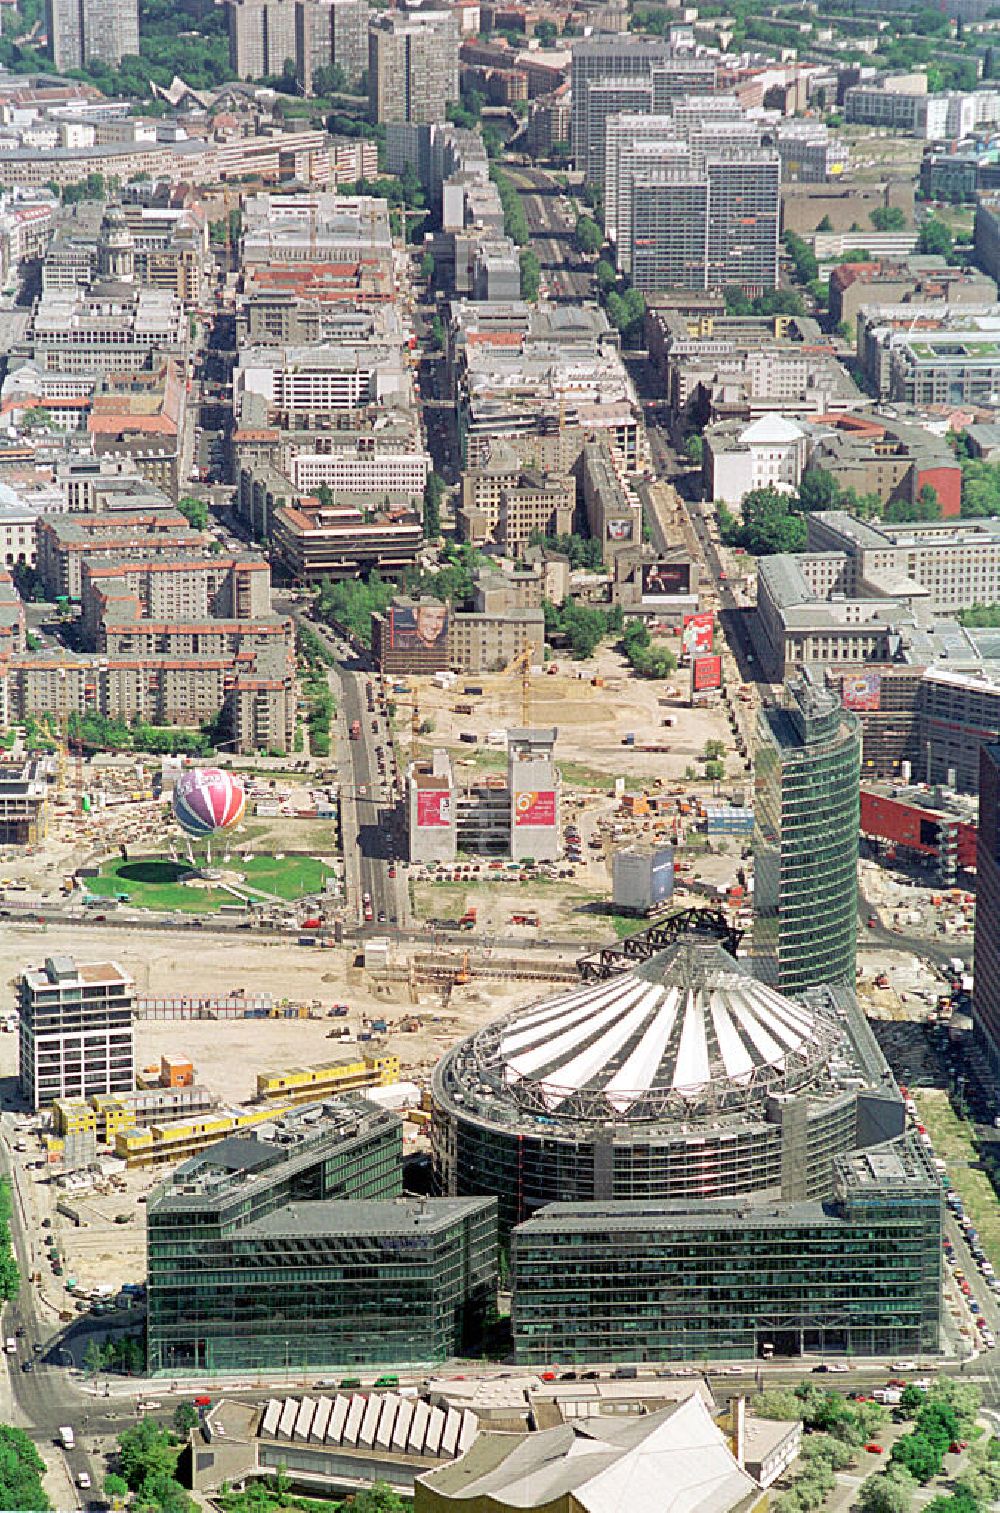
551,220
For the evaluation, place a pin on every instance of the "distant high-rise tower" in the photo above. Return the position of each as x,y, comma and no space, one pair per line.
412,65
986,984
92,31
806,814
331,34
261,37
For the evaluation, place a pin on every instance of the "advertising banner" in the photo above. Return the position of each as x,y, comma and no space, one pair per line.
861,690
620,530
535,809
697,634
706,673
433,808
418,625
663,580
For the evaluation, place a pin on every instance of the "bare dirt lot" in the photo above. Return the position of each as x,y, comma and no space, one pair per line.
592,721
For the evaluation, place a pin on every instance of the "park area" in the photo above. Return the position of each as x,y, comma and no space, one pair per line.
160,882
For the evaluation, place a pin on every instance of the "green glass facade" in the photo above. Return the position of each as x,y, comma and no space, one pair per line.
860,1274
282,1253
807,774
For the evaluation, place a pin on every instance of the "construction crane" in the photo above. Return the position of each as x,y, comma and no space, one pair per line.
522,664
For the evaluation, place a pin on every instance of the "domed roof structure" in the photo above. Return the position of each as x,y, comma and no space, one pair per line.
689,1031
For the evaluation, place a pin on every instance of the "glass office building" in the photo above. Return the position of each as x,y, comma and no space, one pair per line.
279,1250
857,1275
684,1078
807,814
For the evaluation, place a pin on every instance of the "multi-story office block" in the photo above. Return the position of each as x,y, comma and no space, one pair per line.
274,1250
92,31
633,1281
986,996
743,224
668,246
75,1030
331,34
608,98
806,812
623,57
261,37
412,65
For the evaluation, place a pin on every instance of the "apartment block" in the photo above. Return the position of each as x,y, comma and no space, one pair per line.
505,505
91,31
331,34
412,65
75,1029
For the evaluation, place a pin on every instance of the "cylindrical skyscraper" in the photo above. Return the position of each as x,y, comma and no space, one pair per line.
806,813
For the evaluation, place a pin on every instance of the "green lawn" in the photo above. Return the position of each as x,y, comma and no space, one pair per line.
953,1142
153,882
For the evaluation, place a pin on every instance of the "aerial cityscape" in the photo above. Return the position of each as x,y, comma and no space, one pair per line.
500,772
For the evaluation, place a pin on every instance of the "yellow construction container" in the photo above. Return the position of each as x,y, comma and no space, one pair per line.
175,1142
74,1116
113,1116
343,1076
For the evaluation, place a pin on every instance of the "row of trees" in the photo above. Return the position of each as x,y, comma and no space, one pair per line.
147,1467
316,688
124,1354
10,1276
98,732
582,551
21,1472
352,603
515,222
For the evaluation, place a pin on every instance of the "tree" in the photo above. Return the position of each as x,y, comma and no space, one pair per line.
427,267
329,79
926,506
919,1455
588,236
146,1451
825,224
889,1491
737,302
778,1402
768,525
936,238
819,490
531,274
605,275
694,450
93,1359
713,749
115,1487
378,1498
21,1472
160,1493
195,512
888,218
715,771
184,1420
802,256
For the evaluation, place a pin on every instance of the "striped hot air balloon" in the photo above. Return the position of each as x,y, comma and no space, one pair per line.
206,800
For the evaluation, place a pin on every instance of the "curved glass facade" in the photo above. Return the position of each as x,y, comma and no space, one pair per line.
806,810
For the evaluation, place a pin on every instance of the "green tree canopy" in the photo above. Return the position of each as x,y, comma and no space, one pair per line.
768,525
195,511
588,235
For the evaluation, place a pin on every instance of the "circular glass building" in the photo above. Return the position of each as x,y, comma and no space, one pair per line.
683,1078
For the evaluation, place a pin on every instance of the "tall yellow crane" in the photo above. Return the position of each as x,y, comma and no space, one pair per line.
522,663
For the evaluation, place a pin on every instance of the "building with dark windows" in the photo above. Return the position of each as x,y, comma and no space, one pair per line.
293,1246
806,807
857,1274
75,1029
684,1079
986,989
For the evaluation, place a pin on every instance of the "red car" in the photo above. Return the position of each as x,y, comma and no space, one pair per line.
874,1449
203,1402
548,1376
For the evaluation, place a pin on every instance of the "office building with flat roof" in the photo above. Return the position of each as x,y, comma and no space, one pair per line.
292,1247
412,64
857,1274
806,809
75,1030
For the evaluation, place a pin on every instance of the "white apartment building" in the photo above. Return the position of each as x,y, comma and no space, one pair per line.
75,1029
354,473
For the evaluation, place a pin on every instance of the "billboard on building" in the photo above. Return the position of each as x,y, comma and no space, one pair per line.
706,673
620,530
663,580
861,691
535,808
418,626
433,808
698,633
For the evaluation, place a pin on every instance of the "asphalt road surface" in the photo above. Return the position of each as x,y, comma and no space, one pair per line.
550,227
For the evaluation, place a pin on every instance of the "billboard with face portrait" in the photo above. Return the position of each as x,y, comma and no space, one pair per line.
620,530
433,809
665,580
418,627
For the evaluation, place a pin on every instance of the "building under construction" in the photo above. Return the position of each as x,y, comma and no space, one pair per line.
928,824
24,797
516,816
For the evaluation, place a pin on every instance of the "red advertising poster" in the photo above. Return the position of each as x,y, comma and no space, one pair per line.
706,673
535,809
697,635
433,808
861,690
